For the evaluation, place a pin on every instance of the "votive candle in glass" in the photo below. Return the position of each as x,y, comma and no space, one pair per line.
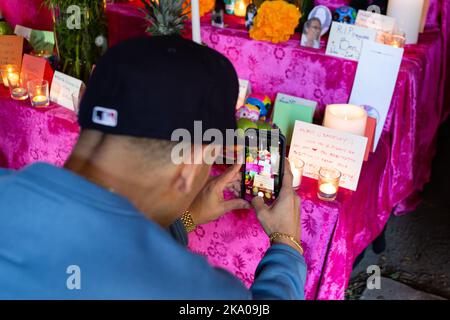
347,118
39,93
297,166
16,87
328,184
240,8
398,39
6,70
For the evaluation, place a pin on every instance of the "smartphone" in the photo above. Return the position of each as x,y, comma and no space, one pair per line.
263,170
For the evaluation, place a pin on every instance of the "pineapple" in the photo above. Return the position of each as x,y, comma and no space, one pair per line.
165,17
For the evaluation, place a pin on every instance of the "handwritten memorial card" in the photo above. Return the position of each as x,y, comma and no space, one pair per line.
320,147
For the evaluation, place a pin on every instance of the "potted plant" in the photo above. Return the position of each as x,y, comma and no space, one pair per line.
80,33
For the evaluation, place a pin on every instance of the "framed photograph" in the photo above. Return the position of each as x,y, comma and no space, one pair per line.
312,30
324,15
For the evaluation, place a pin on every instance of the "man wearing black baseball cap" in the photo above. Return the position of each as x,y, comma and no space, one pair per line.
97,228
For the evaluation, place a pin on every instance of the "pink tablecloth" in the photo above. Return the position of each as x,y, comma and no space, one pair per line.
334,234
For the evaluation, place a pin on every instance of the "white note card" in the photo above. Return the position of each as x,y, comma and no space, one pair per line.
375,80
320,147
375,21
346,40
23,31
63,89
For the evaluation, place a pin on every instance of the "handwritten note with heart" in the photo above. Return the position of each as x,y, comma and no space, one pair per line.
320,147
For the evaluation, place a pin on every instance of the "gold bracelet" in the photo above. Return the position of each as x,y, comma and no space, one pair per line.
188,222
277,235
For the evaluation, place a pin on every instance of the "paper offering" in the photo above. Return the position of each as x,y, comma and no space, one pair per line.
63,89
375,80
346,40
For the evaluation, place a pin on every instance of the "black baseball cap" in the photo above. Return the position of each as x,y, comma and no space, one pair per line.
151,86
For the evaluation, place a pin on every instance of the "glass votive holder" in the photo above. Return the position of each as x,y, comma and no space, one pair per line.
328,184
39,93
297,166
398,39
6,70
16,86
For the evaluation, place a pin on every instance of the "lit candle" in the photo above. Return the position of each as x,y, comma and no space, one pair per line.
13,78
328,184
346,117
327,191
398,41
40,101
408,15
19,93
6,70
195,14
240,8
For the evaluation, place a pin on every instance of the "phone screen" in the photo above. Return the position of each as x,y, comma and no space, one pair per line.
264,165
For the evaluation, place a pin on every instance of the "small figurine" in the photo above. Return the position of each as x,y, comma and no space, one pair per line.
217,14
229,6
249,112
262,102
345,14
250,15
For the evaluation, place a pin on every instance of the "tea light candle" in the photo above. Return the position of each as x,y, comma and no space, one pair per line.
13,78
398,41
240,8
328,184
19,93
346,117
6,70
40,101
408,14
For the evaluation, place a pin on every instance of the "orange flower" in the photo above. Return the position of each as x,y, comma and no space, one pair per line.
205,7
276,21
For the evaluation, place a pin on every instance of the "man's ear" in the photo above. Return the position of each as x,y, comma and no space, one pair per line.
186,175
189,170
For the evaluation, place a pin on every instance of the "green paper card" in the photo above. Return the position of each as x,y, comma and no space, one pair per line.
42,40
288,109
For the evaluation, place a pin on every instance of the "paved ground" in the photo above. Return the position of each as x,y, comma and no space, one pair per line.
417,245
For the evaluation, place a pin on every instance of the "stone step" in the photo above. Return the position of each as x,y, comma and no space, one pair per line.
393,290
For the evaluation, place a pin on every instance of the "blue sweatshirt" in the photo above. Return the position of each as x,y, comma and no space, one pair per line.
63,237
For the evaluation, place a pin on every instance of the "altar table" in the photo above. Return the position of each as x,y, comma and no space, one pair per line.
333,233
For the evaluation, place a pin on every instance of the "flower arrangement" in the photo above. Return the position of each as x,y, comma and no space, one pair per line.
205,7
276,21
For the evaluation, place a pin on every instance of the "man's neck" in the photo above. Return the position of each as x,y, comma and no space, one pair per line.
144,198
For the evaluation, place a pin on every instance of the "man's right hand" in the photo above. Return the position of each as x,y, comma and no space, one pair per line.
284,214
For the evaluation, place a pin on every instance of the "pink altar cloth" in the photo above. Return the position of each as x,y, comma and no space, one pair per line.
333,234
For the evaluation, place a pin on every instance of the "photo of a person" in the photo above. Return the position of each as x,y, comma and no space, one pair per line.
311,33
324,15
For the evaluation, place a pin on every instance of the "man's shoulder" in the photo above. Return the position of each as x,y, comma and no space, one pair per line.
5,172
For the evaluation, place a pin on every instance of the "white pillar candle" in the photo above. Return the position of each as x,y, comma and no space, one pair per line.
408,14
347,118
195,13
297,172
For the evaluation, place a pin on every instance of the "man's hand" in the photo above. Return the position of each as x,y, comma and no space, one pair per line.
284,215
210,203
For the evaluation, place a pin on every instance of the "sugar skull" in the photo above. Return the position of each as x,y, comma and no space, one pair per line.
345,14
